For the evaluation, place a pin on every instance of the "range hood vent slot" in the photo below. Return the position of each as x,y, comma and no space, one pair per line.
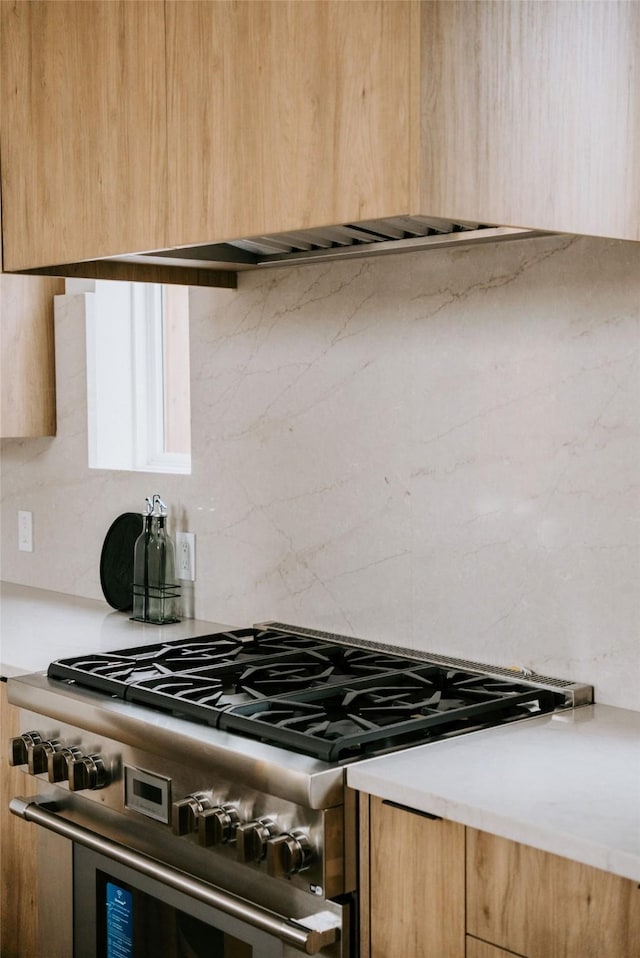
323,244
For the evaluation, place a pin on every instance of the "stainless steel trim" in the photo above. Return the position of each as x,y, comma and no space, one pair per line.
284,929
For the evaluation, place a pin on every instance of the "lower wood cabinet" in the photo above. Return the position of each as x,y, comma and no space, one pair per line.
545,906
416,885
33,923
18,852
436,889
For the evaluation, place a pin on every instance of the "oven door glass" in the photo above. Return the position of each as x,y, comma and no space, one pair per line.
120,913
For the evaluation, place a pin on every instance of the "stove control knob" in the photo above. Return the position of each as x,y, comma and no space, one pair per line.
59,761
38,755
217,825
252,838
185,812
87,772
19,747
288,854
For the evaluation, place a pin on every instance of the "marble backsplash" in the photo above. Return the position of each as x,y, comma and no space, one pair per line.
438,450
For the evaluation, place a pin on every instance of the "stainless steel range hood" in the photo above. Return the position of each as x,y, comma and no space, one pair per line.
218,264
396,234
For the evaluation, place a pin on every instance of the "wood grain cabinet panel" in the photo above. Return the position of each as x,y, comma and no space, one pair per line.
18,852
482,949
83,141
131,126
531,114
415,897
544,906
27,360
286,115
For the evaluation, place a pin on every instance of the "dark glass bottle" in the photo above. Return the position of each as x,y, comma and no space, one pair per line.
156,596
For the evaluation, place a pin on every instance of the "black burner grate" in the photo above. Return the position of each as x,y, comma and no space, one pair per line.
367,715
302,693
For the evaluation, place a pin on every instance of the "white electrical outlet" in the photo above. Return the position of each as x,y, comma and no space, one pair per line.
25,531
186,556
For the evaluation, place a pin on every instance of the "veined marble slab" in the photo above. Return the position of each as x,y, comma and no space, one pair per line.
437,450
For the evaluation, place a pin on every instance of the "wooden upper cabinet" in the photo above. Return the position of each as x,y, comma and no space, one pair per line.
531,114
83,139
133,126
286,115
138,125
27,359
27,355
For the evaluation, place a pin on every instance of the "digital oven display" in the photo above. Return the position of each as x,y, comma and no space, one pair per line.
147,793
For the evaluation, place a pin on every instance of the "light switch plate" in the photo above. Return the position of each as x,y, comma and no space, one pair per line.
25,531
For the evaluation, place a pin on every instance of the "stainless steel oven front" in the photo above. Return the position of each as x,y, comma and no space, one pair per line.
165,844
127,902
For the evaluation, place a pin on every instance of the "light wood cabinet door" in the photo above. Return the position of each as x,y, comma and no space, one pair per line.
531,114
83,135
27,360
415,900
18,852
285,115
544,906
121,134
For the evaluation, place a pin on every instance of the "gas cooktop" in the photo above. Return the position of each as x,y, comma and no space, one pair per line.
325,696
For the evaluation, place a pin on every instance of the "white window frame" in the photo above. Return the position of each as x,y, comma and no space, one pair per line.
125,391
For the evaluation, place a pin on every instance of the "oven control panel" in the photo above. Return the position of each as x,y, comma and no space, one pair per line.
61,763
285,853
258,831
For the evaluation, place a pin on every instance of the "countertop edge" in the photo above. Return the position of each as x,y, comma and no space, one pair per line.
566,785
615,861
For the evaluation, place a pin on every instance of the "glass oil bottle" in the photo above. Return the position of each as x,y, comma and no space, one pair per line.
156,596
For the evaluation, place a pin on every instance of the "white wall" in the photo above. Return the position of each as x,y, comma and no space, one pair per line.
438,450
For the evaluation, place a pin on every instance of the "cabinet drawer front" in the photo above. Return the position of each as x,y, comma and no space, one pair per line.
544,906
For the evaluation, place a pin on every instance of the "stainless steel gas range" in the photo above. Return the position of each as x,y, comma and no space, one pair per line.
201,781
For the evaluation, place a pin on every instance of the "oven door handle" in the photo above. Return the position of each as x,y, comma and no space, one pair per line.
288,930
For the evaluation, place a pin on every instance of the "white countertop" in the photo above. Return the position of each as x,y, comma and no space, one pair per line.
568,783
37,626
